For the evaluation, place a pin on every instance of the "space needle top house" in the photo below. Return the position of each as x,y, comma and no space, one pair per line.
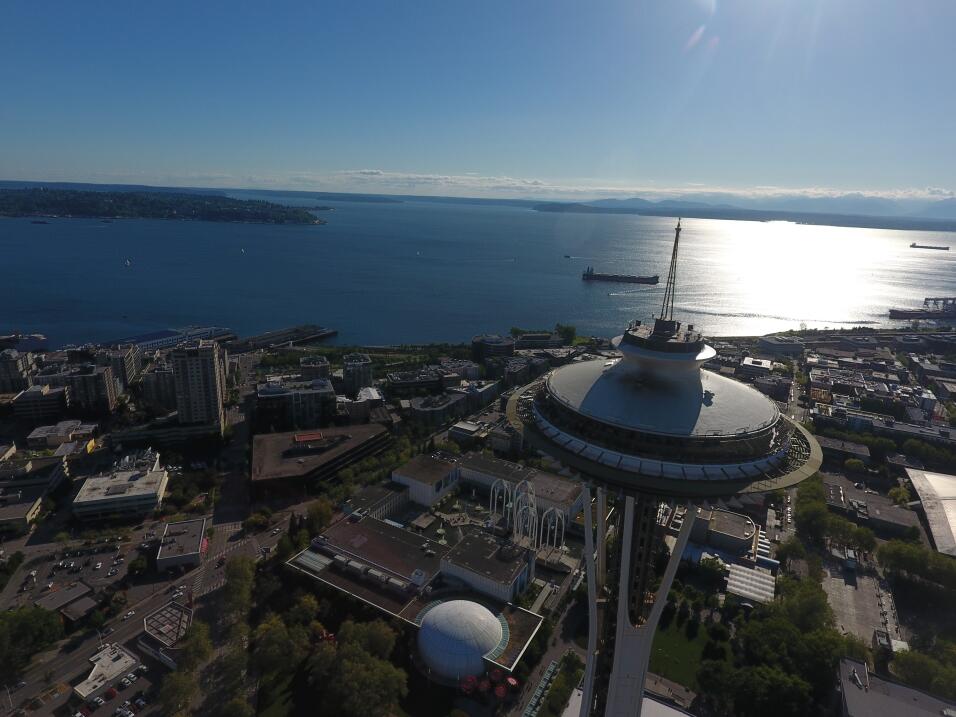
654,427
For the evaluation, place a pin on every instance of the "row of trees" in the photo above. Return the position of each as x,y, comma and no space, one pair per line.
784,657
917,561
817,525
23,633
351,669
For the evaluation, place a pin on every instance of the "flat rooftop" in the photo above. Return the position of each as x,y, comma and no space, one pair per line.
169,623
556,488
63,596
122,483
483,554
937,491
109,664
868,695
380,544
16,503
182,538
280,455
426,469
735,524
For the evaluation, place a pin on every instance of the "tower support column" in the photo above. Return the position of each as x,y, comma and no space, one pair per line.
587,699
637,618
601,537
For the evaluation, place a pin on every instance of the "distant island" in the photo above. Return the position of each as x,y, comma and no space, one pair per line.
43,202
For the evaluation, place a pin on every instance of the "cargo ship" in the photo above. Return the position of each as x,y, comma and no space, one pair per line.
932,308
914,245
590,275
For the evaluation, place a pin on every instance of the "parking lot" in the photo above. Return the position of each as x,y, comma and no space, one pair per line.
97,566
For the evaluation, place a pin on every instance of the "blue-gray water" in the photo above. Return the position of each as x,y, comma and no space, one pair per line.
418,272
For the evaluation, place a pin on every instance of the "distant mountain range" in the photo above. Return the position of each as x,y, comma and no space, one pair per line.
853,204
852,210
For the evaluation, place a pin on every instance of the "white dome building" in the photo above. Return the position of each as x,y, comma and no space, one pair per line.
455,636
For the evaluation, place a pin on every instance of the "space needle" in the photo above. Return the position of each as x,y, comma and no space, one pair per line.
653,428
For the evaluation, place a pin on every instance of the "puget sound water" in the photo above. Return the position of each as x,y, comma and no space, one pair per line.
428,272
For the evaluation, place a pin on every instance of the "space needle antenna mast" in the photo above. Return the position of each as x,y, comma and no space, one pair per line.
667,306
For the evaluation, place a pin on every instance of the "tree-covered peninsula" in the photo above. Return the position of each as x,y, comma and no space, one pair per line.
43,202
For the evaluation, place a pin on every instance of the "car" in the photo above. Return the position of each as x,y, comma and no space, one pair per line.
128,615
132,677
98,566
142,669
98,701
139,702
124,682
178,594
112,572
107,630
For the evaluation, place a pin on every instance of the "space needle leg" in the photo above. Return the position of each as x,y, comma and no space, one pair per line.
601,537
637,621
588,689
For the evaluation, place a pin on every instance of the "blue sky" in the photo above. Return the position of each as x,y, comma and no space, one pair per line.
515,98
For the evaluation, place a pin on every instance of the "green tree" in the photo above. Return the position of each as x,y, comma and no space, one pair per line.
791,549
812,520
321,663
765,690
276,647
900,495
305,610
319,516
366,685
375,637
177,691
196,647
138,566
238,707
23,633
854,465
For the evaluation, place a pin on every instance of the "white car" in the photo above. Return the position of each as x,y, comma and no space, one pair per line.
98,566
128,615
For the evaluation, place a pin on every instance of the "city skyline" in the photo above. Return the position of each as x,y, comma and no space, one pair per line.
718,98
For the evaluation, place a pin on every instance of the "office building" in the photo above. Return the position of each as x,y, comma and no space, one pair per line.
200,383
92,388
41,404
312,367
429,478
16,371
182,545
63,432
133,488
488,345
159,387
110,664
283,405
356,372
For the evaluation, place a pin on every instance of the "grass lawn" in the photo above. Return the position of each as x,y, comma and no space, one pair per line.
676,657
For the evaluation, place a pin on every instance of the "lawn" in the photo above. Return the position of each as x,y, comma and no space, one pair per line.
676,657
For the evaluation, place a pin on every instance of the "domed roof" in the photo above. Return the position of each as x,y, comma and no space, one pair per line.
455,636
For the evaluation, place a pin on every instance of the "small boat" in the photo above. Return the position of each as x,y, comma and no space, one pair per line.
129,262
938,247
567,256
106,221
39,221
